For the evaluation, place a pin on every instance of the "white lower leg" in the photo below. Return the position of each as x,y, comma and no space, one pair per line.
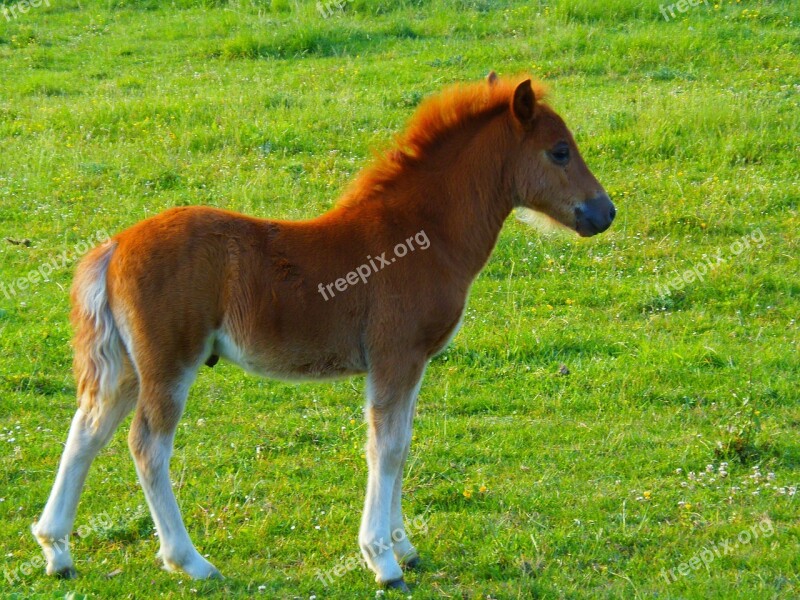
375,536
387,446
53,528
391,398
177,550
403,550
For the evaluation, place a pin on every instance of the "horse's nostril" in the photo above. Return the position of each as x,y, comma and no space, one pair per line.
594,215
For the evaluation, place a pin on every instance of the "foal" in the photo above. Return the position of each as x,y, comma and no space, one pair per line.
190,285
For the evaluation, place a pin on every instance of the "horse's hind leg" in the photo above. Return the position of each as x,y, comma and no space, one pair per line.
92,427
161,404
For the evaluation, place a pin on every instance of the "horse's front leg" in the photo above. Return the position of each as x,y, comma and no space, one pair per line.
404,551
391,399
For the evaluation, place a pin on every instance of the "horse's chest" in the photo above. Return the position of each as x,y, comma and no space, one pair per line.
443,334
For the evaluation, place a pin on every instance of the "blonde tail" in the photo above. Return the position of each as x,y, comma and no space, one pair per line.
100,355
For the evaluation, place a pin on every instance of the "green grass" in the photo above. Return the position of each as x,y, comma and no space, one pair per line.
530,484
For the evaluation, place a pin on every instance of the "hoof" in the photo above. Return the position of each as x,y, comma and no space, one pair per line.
66,573
412,564
397,584
196,567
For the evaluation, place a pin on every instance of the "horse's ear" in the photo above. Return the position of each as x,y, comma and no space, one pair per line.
524,103
491,78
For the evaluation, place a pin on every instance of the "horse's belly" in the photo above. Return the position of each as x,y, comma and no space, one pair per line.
288,363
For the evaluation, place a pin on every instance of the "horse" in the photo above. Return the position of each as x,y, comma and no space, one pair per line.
376,286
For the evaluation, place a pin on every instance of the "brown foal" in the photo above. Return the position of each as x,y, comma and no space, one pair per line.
376,285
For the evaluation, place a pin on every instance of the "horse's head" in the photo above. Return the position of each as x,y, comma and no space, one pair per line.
548,172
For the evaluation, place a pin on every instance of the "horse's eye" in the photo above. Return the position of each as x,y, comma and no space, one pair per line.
559,154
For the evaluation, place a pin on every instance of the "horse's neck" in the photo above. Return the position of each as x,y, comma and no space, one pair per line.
460,195
465,198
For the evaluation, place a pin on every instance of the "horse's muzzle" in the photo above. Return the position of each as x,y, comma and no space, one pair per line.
594,216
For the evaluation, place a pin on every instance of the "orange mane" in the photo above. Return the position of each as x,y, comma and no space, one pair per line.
436,117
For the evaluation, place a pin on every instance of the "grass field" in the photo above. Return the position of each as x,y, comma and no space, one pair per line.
673,437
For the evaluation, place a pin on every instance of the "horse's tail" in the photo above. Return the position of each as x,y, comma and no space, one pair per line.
100,354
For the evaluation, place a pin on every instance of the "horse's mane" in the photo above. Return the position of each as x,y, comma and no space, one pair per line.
436,117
